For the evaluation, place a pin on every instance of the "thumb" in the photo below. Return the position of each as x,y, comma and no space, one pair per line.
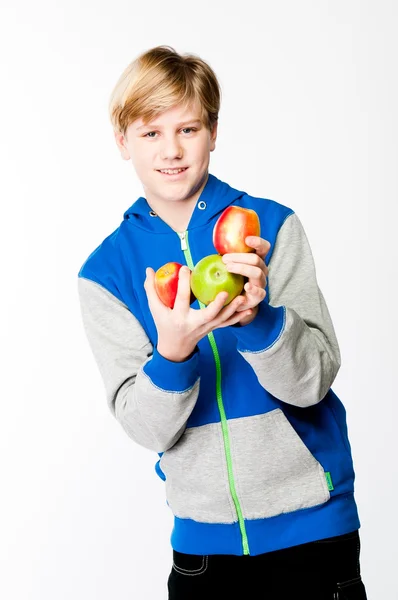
150,274
149,286
182,301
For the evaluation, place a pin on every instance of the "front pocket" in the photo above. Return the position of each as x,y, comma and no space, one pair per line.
274,470
189,564
197,478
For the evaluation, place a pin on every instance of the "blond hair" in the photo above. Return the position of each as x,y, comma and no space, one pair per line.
160,79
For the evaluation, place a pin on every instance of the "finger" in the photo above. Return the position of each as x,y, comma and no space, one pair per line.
254,274
254,295
254,290
217,305
228,311
261,246
243,257
246,258
182,301
149,285
236,317
236,304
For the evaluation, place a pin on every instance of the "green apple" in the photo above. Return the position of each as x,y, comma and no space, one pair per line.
211,276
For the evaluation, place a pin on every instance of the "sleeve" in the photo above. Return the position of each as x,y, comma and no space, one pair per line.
150,396
291,344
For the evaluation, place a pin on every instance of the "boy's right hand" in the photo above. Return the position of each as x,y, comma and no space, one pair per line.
180,328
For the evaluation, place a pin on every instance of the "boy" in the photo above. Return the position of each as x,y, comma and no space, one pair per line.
236,399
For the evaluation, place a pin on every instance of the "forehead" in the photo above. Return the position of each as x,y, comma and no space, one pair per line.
172,116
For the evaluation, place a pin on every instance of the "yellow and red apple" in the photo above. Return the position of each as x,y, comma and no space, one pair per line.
232,228
166,283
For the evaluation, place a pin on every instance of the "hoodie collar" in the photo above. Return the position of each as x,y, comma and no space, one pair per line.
215,197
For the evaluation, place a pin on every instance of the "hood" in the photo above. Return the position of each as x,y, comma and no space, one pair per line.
215,197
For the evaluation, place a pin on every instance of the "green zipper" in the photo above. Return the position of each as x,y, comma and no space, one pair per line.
224,425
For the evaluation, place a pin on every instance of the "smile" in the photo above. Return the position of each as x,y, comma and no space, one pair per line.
172,172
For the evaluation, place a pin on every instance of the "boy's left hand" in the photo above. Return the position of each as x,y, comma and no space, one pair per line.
252,266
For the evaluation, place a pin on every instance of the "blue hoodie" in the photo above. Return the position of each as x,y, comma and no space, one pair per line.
251,440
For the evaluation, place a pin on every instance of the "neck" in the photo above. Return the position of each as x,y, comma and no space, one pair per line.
178,214
178,219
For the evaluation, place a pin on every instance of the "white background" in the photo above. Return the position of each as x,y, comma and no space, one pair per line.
309,119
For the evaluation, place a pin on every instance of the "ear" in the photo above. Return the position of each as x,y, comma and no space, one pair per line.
121,144
213,136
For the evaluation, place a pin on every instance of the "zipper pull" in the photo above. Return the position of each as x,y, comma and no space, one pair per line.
183,240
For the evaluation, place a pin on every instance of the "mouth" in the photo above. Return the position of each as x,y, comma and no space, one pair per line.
173,173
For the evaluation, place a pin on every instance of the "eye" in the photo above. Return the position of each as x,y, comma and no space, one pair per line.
149,134
189,129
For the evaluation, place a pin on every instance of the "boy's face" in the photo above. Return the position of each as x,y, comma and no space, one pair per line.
176,139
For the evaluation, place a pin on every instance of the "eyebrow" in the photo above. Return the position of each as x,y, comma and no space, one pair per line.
151,125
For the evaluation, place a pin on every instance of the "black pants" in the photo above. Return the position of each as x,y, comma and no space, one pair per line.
323,570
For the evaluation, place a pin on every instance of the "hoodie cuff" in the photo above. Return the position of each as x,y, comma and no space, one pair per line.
173,376
264,331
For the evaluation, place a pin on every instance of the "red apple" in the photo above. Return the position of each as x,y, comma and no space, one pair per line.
210,276
232,228
166,283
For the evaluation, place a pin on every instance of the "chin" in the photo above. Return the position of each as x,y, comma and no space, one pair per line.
176,197
175,189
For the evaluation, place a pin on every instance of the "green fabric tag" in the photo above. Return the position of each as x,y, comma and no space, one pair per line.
329,481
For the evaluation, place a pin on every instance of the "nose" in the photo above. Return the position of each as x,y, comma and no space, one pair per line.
170,148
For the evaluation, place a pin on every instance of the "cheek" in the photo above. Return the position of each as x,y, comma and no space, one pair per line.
142,156
203,149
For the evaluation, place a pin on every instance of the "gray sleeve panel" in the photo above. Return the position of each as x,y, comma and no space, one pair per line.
301,366
152,417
